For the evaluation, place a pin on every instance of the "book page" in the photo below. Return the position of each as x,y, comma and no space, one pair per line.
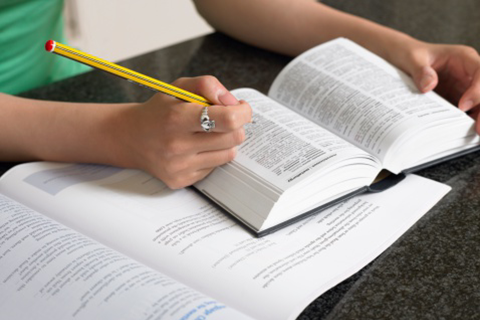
360,97
284,152
285,157
282,147
188,239
49,271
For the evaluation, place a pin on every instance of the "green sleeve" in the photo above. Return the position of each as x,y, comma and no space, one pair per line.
25,26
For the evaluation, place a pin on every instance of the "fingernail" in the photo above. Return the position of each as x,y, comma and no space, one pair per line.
226,98
428,76
467,105
426,82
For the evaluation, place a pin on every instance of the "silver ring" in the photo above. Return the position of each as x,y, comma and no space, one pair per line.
207,124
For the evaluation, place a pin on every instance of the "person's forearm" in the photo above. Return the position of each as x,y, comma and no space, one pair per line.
56,131
293,26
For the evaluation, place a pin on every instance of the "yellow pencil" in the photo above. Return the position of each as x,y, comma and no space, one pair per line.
85,58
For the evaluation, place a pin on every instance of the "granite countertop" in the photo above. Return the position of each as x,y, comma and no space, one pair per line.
432,271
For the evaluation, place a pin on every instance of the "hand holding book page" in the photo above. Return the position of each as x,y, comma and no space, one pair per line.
334,118
367,101
195,249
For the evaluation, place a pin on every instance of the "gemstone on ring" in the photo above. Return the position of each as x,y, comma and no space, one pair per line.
207,124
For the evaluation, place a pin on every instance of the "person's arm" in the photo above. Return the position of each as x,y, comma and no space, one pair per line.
293,26
162,136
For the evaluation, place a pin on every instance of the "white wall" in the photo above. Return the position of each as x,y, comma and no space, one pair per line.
119,29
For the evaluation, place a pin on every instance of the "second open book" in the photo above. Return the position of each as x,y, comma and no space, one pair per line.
333,119
88,242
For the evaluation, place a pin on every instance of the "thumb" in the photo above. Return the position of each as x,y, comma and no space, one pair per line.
424,76
208,87
416,59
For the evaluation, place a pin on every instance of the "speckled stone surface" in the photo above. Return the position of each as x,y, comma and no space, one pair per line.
432,271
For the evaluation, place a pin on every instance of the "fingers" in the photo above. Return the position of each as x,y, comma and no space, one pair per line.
187,117
226,119
459,69
212,159
475,114
420,69
425,78
178,151
471,98
182,181
177,117
186,172
178,148
203,142
209,87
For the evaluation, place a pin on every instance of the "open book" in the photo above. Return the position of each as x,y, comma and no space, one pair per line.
97,242
334,118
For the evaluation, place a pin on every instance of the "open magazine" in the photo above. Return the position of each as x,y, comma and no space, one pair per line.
98,242
334,118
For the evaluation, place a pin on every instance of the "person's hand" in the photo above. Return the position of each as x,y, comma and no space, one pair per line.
164,137
451,70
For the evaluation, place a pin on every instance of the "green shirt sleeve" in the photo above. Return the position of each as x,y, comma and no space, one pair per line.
25,26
